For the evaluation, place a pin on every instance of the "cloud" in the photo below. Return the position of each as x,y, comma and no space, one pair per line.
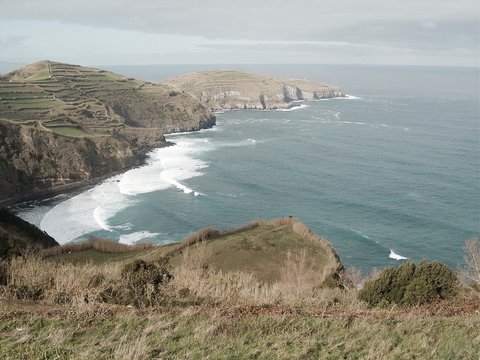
245,19
429,25
354,30
11,40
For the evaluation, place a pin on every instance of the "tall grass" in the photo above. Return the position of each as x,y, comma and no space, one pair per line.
33,278
299,283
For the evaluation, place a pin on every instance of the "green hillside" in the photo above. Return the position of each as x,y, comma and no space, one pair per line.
80,101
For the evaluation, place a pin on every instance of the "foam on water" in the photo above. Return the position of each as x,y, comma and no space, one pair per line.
395,256
85,213
299,107
166,167
100,217
90,211
132,238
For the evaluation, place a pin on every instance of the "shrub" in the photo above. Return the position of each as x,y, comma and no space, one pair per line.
379,290
142,285
411,285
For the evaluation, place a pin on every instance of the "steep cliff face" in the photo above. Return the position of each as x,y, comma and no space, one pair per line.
61,124
236,90
35,160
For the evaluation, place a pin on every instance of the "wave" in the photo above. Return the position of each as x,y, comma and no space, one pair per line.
91,210
86,212
352,122
132,238
302,106
346,97
395,256
101,219
167,167
396,126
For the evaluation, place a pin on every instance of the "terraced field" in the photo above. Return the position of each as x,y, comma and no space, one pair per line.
80,101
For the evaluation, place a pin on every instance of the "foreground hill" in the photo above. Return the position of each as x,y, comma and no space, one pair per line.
238,90
261,249
244,293
65,123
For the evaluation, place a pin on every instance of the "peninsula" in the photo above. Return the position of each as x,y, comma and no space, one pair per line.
225,90
62,124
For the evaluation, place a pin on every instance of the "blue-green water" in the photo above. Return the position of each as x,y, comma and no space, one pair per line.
396,168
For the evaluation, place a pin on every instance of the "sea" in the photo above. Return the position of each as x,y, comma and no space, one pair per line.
391,171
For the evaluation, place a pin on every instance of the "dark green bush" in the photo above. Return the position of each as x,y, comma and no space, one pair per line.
411,285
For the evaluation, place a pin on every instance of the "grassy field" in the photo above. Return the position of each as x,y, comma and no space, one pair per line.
259,251
215,333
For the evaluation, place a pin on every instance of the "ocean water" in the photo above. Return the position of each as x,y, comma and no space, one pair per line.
395,167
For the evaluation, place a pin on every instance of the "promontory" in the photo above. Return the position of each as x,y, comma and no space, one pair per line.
62,124
225,90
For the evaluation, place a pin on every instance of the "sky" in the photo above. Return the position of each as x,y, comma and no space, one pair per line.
138,32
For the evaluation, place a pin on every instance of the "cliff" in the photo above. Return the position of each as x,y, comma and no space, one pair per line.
237,90
60,124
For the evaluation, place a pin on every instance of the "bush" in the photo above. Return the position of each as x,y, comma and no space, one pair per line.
142,284
411,285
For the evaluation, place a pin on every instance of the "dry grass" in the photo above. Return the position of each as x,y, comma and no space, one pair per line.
470,272
99,244
33,278
223,315
299,284
302,230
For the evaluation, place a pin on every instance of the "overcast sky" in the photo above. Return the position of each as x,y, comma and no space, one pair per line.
120,32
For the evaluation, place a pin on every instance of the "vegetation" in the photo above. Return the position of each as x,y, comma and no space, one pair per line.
411,284
92,101
181,301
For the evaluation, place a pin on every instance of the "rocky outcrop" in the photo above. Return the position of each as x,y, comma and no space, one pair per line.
218,90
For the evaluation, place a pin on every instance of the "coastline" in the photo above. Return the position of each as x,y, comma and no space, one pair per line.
76,187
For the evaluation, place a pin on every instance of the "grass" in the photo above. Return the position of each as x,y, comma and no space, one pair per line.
55,307
96,251
73,131
199,333
112,100
260,251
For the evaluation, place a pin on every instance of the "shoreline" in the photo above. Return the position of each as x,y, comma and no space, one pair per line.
76,187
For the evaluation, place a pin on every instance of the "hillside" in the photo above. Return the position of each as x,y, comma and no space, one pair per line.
260,248
18,237
67,123
204,298
238,90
